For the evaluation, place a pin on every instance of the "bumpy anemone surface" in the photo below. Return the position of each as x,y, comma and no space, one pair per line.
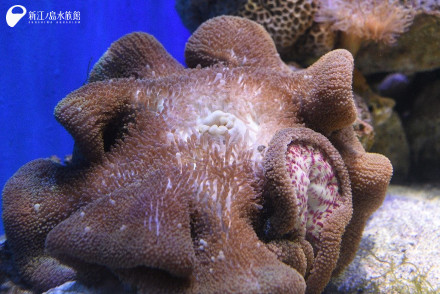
182,180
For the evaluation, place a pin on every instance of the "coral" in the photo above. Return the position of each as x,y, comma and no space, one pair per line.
285,20
304,30
234,175
195,12
316,41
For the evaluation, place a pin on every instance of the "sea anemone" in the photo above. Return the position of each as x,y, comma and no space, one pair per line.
378,21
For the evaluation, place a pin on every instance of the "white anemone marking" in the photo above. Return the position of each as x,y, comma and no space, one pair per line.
203,243
219,123
37,207
221,255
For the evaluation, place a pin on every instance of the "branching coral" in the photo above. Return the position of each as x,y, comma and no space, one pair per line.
234,175
378,21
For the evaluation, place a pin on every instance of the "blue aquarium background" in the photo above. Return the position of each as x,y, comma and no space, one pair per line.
43,62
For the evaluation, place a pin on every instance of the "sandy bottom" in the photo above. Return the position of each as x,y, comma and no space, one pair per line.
400,248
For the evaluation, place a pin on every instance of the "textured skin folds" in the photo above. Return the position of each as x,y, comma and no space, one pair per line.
235,175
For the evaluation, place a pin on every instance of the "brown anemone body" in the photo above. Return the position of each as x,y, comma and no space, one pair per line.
166,186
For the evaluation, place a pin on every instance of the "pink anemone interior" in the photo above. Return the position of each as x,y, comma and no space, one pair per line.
315,185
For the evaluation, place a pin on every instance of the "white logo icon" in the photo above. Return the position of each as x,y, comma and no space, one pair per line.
13,18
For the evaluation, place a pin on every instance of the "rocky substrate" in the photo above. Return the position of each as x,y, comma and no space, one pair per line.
400,246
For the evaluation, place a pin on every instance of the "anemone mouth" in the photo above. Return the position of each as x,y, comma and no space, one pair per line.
218,123
306,183
306,200
315,185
